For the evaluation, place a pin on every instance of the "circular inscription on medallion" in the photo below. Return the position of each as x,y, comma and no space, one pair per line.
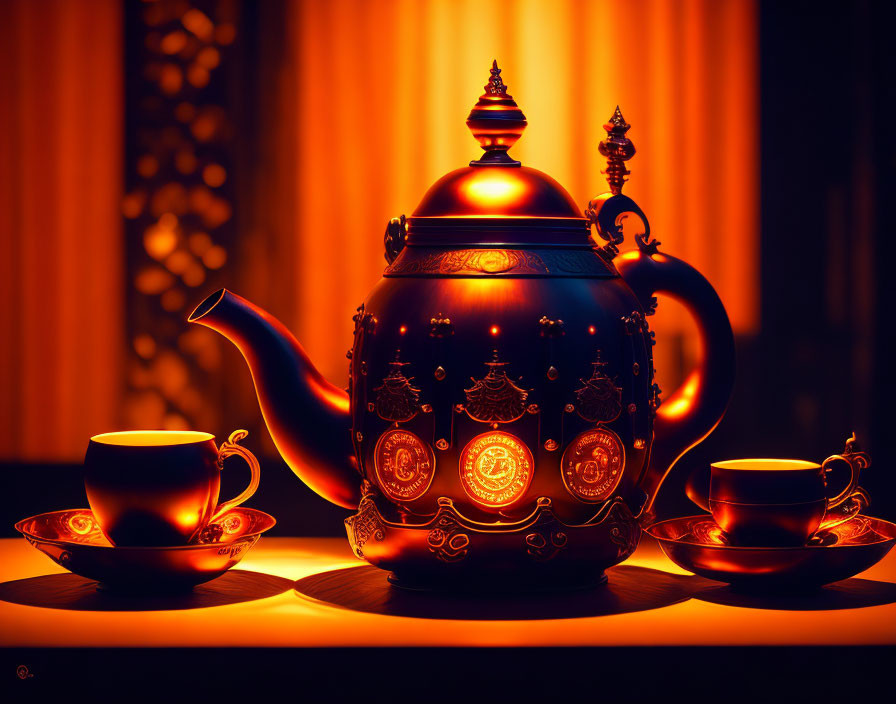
592,465
404,465
496,469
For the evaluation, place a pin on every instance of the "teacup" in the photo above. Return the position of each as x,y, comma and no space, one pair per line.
160,487
772,502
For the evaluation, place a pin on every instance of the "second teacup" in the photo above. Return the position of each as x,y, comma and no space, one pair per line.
776,501
158,487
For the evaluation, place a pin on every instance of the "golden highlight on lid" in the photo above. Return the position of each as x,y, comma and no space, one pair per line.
496,191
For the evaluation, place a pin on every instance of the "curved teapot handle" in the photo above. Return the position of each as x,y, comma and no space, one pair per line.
693,410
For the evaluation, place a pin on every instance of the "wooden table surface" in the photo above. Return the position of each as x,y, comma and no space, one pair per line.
312,592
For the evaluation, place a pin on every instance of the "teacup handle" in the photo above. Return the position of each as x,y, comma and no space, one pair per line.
231,447
857,461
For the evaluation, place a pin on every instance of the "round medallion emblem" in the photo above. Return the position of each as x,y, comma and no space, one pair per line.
592,465
404,465
494,261
496,469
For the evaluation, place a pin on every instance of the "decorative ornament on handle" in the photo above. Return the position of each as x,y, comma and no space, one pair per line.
693,410
856,460
228,449
608,211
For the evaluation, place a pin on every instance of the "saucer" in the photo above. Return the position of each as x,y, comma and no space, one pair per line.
73,539
697,544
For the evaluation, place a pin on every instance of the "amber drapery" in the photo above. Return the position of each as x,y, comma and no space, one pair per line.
61,273
379,91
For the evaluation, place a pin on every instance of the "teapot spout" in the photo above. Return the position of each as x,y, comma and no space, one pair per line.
308,417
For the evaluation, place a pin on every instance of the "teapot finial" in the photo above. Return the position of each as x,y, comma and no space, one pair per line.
496,122
606,210
495,85
618,149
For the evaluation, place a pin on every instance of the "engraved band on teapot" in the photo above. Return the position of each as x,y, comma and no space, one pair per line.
420,261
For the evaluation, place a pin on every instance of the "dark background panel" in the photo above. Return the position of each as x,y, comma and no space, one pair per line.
640,674
819,368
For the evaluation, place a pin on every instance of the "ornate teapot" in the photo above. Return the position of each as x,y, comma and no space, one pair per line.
502,423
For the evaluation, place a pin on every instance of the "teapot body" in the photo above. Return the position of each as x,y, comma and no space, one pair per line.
572,378
502,426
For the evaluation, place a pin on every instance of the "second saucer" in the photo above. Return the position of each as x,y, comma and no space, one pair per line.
697,544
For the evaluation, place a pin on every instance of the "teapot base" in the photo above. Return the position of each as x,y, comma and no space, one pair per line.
450,552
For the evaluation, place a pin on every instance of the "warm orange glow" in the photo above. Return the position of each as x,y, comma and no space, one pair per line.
496,293
494,330
292,619
402,330
492,191
592,330
214,175
187,520
681,403
199,24
152,438
159,240
209,57
214,257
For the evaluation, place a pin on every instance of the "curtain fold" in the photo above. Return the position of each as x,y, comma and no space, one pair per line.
61,270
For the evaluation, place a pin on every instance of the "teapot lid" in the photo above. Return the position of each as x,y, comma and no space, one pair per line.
495,186
497,217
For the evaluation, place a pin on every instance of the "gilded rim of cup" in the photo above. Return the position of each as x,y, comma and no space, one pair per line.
782,465
166,438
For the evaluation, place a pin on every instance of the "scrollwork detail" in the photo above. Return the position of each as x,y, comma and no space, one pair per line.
544,544
624,529
366,523
447,540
